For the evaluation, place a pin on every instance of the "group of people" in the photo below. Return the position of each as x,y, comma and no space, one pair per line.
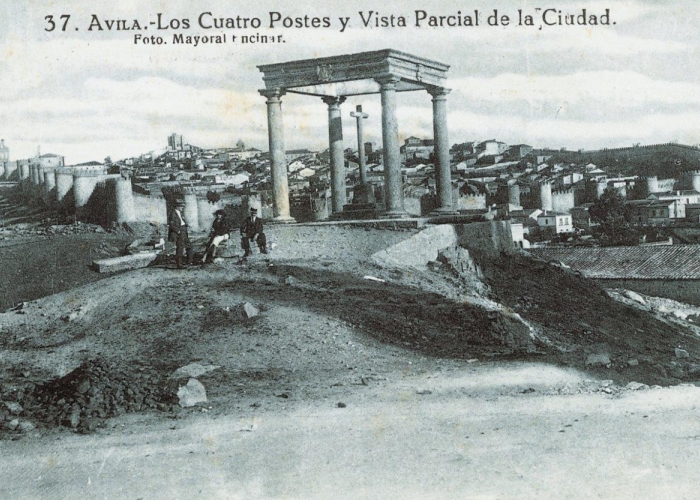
251,231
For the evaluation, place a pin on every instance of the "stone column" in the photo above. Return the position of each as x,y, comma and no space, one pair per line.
393,188
335,148
443,176
278,161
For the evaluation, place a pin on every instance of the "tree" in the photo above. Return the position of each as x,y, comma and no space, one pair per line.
612,215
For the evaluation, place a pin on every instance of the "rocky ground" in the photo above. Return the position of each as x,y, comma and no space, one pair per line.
317,327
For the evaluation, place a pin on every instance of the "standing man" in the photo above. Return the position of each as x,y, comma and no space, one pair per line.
178,233
253,226
219,233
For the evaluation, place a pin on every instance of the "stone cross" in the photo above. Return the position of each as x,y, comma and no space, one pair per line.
359,116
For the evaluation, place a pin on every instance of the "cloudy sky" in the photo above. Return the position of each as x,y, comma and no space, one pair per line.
88,94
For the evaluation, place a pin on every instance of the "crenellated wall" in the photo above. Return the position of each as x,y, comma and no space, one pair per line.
205,210
11,170
191,211
23,169
124,201
84,184
471,202
150,208
563,200
63,181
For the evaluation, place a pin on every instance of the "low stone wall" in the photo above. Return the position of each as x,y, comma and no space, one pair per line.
489,238
420,248
483,239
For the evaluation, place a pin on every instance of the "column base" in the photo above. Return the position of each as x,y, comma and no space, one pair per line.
443,211
395,214
283,219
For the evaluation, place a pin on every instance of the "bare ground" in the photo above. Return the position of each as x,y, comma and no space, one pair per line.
439,404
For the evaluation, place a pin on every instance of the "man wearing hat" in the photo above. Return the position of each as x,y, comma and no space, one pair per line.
177,231
220,230
252,227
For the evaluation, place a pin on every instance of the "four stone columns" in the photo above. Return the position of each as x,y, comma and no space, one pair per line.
278,160
443,176
393,186
393,183
335,148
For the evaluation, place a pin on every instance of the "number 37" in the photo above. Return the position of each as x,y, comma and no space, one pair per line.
52,25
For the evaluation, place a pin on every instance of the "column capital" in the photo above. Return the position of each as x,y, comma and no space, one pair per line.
333,100
273,95
388,82
438,92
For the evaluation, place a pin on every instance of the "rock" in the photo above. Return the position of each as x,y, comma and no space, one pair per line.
632,362
26,426
598,360
75,417
83,387
693,369
681,353
291,280
424,392
13,424
676,371
635,386
193,370
342,405
15,408
250,311
634,296
124,263
192,393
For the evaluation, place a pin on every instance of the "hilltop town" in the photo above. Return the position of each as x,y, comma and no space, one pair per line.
546,194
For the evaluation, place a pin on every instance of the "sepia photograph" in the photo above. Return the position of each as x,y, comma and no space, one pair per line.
349,250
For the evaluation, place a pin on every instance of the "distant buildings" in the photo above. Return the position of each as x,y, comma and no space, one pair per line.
174,142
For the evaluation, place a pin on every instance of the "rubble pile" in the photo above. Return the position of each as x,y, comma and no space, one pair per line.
86,396
38,229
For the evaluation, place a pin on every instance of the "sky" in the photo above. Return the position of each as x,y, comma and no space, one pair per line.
87,94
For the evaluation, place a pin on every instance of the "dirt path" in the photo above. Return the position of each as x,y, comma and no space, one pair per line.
474,435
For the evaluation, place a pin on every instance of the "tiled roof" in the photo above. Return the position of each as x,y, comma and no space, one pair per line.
641,262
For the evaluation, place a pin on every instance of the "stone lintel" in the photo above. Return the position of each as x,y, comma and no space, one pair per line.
322,76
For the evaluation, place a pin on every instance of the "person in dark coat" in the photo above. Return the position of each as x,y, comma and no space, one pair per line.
219,233
252,230
177,232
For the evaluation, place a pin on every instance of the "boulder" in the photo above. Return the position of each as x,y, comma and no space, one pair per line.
124,263
250,311
192,393
598,360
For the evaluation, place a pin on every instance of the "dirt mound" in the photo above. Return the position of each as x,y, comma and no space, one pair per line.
91,393
585,326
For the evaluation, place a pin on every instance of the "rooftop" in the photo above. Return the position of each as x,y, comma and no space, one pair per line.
668,262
